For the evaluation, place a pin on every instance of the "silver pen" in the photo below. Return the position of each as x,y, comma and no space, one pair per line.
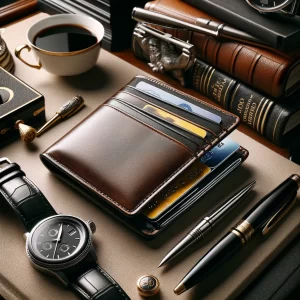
206,224
202,25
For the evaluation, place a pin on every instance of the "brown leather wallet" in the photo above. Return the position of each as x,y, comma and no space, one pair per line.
125,153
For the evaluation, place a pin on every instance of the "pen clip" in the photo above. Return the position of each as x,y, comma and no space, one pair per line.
141,29
164,26
280,213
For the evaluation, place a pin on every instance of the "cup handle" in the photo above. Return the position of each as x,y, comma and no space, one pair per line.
18,51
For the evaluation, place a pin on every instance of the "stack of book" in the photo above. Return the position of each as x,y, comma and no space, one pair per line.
115,16
259,85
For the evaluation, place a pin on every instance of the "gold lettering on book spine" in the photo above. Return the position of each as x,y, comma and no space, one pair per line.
265,117
208,82
225,94
233,96
204,80
260,114
257,110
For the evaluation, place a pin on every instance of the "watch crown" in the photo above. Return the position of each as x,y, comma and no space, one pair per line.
92,226
25,236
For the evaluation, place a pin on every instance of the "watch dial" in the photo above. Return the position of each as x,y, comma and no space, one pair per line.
266,4
58,239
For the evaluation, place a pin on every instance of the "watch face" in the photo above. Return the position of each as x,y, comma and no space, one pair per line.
269,5
58,239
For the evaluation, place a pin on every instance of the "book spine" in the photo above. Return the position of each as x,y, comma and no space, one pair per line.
252,107
265,70
267,73
260,113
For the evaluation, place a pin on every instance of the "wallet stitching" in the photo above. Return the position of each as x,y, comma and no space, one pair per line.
109,198
188,96
194,123
151,128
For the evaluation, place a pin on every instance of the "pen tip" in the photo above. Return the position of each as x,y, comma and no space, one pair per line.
180,288
162,263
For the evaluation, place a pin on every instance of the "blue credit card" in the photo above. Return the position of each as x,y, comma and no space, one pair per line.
219,153
176,101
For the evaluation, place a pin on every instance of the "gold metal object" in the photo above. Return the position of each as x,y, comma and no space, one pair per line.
244,228
180,288
148,285
27,133
66,111
238,234
37,112
18,51
296,178
3,131
281,213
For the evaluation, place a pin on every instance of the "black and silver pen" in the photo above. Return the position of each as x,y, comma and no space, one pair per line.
261,218
203,26
206,224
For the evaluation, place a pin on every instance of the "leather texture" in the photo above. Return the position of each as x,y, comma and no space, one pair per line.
267,117
132,155
142,224
23,196
265,70
96,284
31,206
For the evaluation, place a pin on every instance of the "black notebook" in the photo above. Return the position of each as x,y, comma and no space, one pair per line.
280,280
279,31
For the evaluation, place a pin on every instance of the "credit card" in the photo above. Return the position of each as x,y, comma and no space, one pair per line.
176,189
219,153
190,178
176,101
175,120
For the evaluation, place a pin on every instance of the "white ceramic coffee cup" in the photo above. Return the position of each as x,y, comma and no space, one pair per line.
64,63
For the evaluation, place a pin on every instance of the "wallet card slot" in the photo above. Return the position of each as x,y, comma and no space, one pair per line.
146,109
213,128
135,100
156,125
228,120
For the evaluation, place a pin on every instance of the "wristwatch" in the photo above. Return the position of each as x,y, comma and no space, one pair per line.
57,244
289,7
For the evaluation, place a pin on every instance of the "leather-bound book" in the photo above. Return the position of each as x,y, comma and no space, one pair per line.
273,73
278,121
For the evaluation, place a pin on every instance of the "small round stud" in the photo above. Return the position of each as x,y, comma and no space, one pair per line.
148,285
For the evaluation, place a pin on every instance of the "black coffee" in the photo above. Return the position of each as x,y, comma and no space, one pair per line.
64,38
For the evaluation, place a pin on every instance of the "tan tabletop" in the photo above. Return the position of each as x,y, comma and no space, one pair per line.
121,252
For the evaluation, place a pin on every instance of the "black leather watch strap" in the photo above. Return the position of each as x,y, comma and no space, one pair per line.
297,9
96,284
293,8
24,197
